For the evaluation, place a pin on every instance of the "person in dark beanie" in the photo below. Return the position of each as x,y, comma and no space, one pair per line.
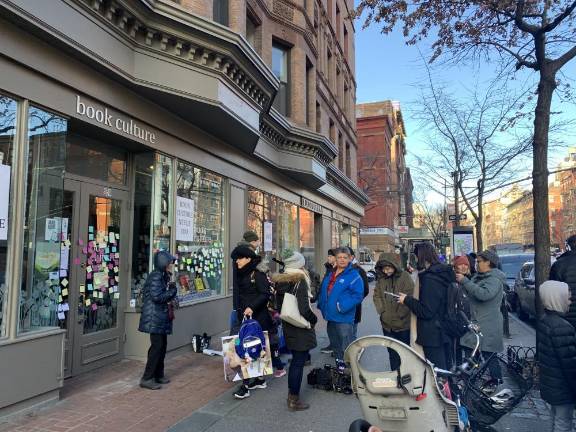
296,280
253,295
250,239
556,348
485,291
364,276
156,319
564,270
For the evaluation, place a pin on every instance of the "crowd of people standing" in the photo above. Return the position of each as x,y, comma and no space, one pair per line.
427,289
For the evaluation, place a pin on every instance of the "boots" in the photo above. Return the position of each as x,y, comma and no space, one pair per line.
294,403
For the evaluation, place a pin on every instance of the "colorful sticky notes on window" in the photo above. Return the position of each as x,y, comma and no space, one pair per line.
64,282
90,237
82,288
90,287
116,295
114,249
90,229
87,302
94,306
116,269
65,292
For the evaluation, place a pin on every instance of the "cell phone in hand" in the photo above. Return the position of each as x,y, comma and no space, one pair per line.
391,294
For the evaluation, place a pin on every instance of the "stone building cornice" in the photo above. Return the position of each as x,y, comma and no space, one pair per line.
337,178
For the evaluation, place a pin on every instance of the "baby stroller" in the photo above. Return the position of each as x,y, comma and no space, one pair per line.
419,397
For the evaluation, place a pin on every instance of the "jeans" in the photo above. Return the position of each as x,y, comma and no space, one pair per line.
402,336
341,335
562,418
277,362
296,371
355,331
156,354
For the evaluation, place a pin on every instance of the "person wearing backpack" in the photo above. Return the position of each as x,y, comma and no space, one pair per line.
394,317
300,341
156,319
430,308
485,291
253,296
556,348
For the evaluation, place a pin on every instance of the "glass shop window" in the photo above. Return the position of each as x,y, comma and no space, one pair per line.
8,109
199,233
354,237
307,238
152,215
44,291
287,228
336,230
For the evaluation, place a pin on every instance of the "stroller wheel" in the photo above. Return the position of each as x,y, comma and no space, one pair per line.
359,425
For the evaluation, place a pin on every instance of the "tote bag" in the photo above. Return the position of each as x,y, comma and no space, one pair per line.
290,312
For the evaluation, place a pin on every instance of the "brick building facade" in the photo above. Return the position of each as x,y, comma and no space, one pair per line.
382,174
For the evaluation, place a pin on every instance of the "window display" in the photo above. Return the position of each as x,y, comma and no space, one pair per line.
199,232
307,238
7,131
44,292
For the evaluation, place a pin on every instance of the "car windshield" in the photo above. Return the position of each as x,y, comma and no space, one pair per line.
511,265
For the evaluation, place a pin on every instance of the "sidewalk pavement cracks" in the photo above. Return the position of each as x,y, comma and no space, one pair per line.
198,399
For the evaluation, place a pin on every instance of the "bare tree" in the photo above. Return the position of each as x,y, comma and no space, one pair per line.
470,141
538,35
431,217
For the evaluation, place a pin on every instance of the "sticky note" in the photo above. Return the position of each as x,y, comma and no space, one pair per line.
90,236
87,302
82,288
100,294
116,296
114,249
117,278
89,269
117,235
63,273
94,306
88,276
60,299
65,292
90,229
64,282
90,287
53,275
116,269
67,243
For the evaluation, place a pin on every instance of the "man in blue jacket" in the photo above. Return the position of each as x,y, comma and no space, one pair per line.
342,290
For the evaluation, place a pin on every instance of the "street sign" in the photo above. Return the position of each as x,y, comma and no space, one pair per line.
457,217
402,229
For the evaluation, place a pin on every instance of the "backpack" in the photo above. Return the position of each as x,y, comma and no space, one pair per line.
455,320
251,341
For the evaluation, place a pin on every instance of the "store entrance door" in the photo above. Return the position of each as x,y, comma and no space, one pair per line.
97,218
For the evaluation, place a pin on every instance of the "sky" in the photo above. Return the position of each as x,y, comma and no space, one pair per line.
386,68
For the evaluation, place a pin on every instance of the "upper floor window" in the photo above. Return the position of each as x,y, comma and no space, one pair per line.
280,67
345,43
220,12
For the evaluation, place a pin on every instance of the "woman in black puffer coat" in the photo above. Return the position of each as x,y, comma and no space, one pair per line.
253,296
299,340
158,291
556,350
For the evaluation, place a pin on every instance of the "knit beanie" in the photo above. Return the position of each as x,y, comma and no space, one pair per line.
461,260
295,261
488,255
251,236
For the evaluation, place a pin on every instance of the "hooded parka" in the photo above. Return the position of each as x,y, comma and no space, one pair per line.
156,295
393,315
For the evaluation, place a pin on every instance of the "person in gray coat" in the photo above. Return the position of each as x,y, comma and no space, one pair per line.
485,290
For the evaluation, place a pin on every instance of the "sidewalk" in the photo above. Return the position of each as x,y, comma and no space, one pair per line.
110,399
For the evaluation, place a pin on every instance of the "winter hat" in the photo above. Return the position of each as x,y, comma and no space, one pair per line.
243,251
163,259
555,296
251,236
295,261
490,256
331,252
460,260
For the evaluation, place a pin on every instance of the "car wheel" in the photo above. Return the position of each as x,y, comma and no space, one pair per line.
522,314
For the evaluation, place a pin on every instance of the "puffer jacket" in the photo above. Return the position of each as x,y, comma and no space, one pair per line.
254,292
556,350
485,291
430,308
393,315
156,295
347,293
564,270
297,339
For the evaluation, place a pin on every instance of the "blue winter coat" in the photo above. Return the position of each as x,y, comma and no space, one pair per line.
156,296
347,293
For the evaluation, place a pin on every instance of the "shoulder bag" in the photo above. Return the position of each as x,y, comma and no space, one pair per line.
290,312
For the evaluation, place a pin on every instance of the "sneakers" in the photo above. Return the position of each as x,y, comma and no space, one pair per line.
326,350
242,392
150,384
258,383
279,373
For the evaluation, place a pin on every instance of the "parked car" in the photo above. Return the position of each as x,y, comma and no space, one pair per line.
367,262
511,265
526,291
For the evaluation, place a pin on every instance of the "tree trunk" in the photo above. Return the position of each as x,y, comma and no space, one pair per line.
546,88
479,223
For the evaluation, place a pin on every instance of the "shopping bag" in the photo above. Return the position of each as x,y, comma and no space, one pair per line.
290,312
